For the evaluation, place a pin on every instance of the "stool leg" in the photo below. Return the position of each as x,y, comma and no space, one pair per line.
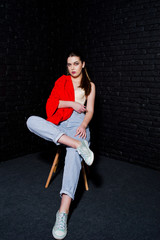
53,168
85,177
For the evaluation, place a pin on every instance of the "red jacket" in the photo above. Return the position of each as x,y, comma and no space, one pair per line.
63,90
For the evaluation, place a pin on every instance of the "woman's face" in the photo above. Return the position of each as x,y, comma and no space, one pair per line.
75,65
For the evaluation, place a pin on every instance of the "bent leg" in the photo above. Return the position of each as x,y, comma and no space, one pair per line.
51,132
71,172
44,129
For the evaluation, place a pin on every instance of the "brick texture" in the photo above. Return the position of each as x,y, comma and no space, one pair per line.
121,42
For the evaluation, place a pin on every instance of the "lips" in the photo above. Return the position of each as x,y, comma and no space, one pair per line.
73,72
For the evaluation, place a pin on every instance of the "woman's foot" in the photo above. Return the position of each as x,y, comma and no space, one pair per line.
85,152
59,230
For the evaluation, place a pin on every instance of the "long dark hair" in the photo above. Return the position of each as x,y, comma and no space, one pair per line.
85,81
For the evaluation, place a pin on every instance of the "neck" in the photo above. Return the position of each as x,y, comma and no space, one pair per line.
76,81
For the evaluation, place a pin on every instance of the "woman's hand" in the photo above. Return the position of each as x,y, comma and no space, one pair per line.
79,107
81,131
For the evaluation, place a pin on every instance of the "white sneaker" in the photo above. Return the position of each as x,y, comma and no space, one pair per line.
59,230
85,152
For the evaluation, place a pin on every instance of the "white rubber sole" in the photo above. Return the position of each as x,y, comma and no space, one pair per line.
58,237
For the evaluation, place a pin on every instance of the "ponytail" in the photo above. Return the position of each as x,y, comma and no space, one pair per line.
85,82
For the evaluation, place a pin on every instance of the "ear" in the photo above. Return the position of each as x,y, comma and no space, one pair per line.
83,65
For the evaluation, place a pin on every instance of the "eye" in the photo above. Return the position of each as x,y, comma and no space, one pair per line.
68,64
76,63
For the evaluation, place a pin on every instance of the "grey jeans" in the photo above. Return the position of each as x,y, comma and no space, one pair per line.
52,132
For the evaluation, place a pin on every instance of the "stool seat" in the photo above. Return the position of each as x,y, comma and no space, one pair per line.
54,167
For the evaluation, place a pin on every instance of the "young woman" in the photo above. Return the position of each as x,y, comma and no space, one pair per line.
69,109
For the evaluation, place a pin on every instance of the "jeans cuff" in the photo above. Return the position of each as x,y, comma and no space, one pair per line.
58,137
67,193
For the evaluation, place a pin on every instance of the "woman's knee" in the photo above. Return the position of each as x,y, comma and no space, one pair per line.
31,121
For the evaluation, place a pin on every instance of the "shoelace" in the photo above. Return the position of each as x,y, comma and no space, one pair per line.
61,223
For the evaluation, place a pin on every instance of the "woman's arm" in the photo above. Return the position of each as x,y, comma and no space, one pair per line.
65,104
81,130
90,106
70,104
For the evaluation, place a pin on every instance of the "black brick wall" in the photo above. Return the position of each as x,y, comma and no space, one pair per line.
25,71
121,43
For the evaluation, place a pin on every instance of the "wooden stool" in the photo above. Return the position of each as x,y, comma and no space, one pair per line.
54,167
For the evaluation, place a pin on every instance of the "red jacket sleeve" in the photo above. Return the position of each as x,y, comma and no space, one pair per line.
53,100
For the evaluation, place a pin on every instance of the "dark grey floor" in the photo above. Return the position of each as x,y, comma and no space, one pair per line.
123,202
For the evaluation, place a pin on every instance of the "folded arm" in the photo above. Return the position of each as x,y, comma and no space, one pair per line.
70,104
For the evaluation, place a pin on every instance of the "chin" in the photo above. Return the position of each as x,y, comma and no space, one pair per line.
75,75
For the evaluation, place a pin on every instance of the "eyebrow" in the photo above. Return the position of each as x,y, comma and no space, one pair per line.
74,62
